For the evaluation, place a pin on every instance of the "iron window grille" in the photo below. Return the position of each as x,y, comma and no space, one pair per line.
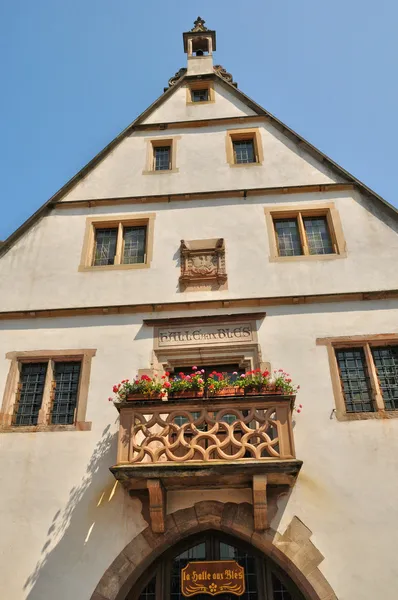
54,383
200,95
355,380
386,363
300,234
162,158
30,393
369,377
66,383
244,152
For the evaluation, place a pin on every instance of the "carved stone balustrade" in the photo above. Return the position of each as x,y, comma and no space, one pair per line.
221,442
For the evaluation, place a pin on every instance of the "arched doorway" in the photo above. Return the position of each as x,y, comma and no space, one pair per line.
264,580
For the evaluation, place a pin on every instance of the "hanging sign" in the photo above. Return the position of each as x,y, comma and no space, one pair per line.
213,577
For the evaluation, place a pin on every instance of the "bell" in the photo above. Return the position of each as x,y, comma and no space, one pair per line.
199,52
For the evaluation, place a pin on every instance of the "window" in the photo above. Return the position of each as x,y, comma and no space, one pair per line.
364,375
200,95
161,156
305,233
119,245
369,377
244,151
124,243
244,147
47,390
200,92
31,388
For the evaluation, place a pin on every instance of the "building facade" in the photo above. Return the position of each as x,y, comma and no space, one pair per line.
206,234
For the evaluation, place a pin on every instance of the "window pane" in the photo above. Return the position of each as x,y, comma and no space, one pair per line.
200,95
248,562
33,376
288,237
134,245
318,236
386,362
280,592
149,592
162,158
355,380
105,247
244,152
66,377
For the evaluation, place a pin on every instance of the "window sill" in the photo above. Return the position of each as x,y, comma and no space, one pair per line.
240,165
309,257
79,426
83,268
161,172
365,416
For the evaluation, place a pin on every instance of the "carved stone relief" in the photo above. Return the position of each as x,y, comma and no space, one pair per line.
203,264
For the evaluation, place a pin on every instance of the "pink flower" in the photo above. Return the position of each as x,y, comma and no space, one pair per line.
298,387
110,399
300,406
299,410
194,368
167,384
280,370
235,373
200,381
202,370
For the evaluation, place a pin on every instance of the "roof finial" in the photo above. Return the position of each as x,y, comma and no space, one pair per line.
199,25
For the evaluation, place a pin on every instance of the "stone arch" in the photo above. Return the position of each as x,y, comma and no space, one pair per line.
293,551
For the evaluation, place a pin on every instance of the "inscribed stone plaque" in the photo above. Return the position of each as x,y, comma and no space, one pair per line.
213,577
199,335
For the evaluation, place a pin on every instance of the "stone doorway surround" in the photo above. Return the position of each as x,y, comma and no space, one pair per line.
293,551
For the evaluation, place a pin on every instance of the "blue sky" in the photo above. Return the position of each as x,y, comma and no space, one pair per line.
75,73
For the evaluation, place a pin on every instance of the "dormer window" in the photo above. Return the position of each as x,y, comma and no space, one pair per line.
200,92
200,95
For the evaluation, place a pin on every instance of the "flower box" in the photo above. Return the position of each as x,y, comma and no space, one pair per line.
133,397
265,391
227,391
186,394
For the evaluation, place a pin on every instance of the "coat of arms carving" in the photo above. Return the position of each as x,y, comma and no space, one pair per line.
203,262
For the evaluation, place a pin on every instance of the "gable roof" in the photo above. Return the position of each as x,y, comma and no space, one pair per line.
175,82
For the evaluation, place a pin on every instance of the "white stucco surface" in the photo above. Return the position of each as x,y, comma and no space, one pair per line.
175,108
202,165
63,522
44,263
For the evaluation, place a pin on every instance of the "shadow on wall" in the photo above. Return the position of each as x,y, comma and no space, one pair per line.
78,531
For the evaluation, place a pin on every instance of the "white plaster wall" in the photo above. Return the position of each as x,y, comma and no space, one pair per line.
41,270
175,108
62,523
202,163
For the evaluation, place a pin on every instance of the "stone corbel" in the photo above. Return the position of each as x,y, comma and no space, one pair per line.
260,508
157,505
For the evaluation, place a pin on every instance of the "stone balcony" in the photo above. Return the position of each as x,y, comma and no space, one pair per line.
195,443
